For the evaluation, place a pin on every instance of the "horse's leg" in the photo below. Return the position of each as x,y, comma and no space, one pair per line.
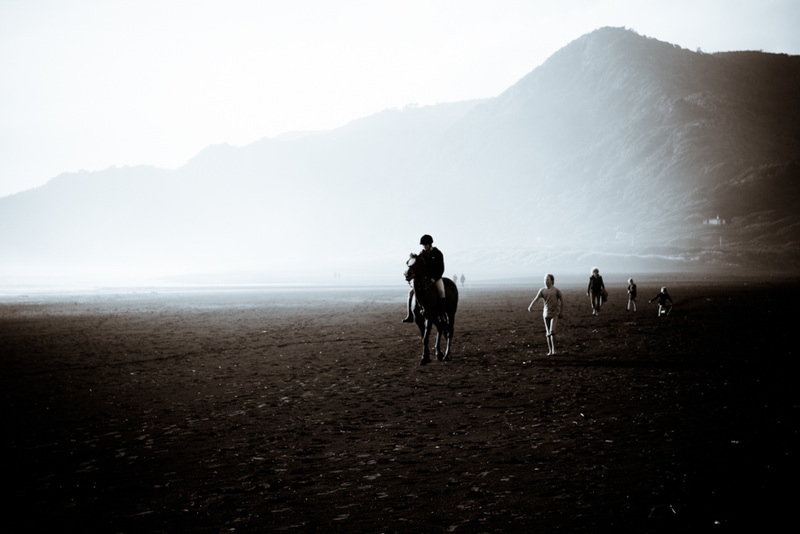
439,328
424,333
449,336
426,355
420,320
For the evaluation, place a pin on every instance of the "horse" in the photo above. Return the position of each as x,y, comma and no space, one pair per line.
426,308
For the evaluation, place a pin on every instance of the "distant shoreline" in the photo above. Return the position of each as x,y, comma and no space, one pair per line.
31,291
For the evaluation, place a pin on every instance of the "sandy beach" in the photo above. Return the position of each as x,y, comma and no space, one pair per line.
305,410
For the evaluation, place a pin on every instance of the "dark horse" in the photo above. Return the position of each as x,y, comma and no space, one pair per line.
426,310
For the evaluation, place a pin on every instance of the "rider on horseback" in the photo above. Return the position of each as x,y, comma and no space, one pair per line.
434,269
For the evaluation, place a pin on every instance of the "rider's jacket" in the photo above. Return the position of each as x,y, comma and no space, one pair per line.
434,263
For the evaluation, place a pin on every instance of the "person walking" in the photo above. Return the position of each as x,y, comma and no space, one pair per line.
596,291
552,311
631,295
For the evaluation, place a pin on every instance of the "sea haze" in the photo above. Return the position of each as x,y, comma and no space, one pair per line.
620,150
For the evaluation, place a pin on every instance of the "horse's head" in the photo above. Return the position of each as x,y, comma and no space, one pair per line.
413,263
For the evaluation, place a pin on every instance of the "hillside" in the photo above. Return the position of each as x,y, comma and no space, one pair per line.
613,152
626,145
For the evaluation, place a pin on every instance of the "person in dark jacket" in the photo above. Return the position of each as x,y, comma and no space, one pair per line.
662,299
434,269
595,290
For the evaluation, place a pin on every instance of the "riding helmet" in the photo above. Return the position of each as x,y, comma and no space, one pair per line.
426,240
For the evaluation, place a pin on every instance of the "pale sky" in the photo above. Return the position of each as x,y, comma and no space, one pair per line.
89,84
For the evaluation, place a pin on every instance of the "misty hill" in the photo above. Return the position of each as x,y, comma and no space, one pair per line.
613,152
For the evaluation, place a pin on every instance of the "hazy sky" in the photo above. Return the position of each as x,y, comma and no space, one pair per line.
88,84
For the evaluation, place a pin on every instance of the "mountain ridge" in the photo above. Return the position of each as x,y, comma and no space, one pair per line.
614,151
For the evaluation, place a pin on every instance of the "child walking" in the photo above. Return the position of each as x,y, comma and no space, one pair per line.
662,298
631,295
553,308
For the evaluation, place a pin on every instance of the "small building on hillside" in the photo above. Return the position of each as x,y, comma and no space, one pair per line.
714,222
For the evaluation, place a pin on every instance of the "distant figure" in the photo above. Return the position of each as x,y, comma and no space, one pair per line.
462,280
596,291
631,295
553,308
433,260
662,298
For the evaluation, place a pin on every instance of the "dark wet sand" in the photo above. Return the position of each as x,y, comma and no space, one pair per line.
304,411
